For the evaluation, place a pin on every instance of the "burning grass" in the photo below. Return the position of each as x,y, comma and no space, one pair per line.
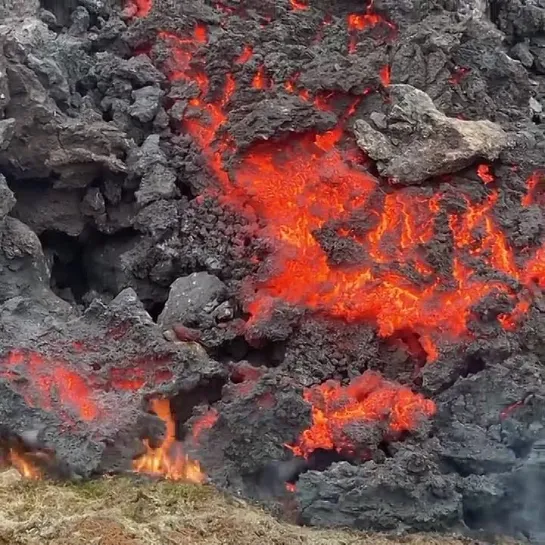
121,511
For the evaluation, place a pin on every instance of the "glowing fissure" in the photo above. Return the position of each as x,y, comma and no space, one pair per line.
299,185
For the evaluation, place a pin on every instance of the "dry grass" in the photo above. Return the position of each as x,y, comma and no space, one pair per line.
121,511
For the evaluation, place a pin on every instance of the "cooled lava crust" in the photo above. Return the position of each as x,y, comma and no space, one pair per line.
204,276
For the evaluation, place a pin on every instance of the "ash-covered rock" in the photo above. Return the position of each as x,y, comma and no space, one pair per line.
100,147
7,198
157,180
195,301
257,417
492,416
41,71
320,350
419,142
404,492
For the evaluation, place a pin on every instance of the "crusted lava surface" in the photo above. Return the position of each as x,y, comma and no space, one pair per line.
295,247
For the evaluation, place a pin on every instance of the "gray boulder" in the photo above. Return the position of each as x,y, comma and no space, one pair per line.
191,297
420,142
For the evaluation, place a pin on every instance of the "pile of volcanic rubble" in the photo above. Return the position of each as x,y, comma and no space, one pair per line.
291,247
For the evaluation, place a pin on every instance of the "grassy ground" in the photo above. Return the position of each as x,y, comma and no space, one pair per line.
121,511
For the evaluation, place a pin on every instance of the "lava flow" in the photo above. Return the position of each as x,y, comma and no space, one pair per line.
368,398
168,460
324,187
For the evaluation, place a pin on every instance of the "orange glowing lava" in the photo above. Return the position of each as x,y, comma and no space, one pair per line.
245,56
26,468
168,460
326,187
533,184
50,384
368,398
143,7
205,422
260,80
298,5
485,173
385,75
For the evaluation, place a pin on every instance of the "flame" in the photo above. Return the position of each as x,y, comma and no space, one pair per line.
368,398
26,468
168,460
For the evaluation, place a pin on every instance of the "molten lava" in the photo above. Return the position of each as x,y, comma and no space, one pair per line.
368,398
141,7
168,460
326,187
205,422
50,384
485,174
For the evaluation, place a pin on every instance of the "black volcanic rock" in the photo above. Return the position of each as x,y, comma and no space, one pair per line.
404,492
129,208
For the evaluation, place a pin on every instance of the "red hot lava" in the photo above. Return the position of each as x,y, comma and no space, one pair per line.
368,398
324,186
55,385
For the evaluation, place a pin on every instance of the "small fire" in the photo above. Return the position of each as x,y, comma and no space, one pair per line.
368,398
27,469
169,459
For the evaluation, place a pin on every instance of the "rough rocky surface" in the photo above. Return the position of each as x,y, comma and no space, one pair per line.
418,142
103,425
406,492
119,209
192,296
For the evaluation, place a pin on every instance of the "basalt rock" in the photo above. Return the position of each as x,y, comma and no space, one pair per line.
419,142
185,175
102,429
404,492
